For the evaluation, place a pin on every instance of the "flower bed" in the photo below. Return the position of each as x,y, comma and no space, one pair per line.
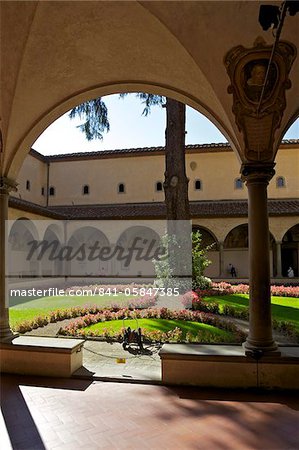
78,326
224,288
192,300
77,311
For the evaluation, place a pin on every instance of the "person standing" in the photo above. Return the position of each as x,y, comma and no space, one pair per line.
290,272
232,270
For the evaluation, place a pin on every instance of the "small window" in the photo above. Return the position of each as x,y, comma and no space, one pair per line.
159,186
197,185
85,189
121,188
239,183
43,191
280,182
28,185
52,191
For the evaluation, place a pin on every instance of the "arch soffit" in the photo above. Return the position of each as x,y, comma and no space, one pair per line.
92,232
20,148
126,236
27,224
278,232
16,160
198,227
199,92
57,230
293,226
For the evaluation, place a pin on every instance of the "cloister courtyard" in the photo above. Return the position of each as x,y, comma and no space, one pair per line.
149,296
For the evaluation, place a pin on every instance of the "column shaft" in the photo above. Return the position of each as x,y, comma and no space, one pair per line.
260,324
5,331
278,260
221,260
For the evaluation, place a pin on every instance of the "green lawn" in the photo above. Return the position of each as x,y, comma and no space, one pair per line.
163,325
28,309
283,308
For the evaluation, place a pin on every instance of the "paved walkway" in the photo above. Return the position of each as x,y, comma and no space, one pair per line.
59,414
108,361
104,360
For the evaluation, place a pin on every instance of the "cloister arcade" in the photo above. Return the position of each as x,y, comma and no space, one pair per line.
233,249
56,55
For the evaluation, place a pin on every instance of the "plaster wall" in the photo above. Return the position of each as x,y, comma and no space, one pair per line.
217,172
34,171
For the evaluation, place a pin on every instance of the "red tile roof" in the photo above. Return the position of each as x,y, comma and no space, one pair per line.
199,209
194,148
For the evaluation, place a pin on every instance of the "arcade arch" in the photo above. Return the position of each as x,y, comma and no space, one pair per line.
22,232
290,251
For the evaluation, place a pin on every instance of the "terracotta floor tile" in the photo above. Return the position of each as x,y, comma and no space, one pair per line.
49,414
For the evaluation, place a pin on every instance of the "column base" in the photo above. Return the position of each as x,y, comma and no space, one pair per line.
7,335
257,349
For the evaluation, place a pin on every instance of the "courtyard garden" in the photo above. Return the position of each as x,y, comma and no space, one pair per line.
207,315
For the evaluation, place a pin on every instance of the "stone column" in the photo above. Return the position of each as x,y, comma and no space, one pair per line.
6,185
260,339
278,260
221,260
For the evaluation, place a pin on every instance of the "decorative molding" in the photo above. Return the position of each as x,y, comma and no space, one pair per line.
257,172
7,185
259,93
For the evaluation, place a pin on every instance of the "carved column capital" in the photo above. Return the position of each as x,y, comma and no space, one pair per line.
7,185
261,173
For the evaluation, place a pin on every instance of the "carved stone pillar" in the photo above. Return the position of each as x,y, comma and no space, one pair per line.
260,337
259,79
221,260
278,260
6,185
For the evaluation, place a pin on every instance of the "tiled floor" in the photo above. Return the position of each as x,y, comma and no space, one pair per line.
54,414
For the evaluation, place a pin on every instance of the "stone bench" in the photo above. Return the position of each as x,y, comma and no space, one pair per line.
28,355
227,366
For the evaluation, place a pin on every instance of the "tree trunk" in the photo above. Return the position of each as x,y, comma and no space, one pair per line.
176,181
176,197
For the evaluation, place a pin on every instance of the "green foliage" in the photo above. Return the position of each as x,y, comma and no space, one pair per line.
199,262
148,100
95,114
165,267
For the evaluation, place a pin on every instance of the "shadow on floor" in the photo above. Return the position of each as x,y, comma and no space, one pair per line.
21,428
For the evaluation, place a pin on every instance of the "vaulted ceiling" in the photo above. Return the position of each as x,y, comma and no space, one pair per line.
58,54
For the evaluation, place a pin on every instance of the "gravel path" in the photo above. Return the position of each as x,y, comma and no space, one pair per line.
49,330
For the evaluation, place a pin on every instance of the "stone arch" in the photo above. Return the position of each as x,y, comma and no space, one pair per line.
53,236
21,263
236,250
290,250
237,237
82,263
129,87
133,238
208,239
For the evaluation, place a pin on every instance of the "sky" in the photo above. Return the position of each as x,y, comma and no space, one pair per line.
129,129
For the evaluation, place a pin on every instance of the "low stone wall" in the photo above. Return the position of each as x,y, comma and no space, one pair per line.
227,366
54,357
